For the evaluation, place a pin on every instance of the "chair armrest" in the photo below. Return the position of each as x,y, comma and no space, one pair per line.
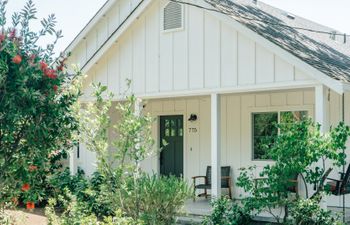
195,177
225,177
334,180
293,181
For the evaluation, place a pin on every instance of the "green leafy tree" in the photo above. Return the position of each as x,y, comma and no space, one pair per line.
37,96
153,199
298,150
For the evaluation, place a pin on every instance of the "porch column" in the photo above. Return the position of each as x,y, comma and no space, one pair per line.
321,106
215,146
73,161
321,115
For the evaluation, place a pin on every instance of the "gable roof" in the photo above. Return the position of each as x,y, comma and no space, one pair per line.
316,49
328,61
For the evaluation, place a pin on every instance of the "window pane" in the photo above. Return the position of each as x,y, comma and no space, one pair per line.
180,131
292,116
264,132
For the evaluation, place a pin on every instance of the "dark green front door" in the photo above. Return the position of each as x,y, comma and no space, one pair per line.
171,156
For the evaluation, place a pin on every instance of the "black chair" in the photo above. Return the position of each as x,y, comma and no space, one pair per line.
342,186
225,181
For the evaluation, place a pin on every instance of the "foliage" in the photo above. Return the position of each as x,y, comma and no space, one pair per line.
153,199
91,195
37,98
160,198
296,151
75,215
228,213
309,212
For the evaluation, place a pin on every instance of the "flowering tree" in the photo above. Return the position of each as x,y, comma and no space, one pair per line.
36,98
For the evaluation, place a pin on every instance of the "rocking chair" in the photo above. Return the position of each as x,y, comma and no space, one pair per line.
342,186
225,181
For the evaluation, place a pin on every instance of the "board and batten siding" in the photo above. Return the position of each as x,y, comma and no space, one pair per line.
236,139
236,130
206,54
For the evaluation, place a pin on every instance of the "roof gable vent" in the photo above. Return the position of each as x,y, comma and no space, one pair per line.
172,16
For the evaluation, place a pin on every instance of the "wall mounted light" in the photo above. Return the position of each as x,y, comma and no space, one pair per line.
193,117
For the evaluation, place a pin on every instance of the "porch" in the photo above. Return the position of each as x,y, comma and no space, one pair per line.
196,210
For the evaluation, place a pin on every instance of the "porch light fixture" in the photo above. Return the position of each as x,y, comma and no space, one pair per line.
193,117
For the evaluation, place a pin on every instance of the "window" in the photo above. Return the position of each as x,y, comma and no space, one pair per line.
265,130
172,16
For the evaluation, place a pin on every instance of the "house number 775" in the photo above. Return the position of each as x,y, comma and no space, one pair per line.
192,130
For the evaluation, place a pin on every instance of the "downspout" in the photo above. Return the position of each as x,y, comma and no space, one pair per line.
343,119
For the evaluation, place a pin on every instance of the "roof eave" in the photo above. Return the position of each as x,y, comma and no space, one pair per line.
93,21
316,74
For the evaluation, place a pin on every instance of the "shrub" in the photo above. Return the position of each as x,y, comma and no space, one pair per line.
91,194
75,215
309,212
37,117
295,151
161,198
226,212
153,199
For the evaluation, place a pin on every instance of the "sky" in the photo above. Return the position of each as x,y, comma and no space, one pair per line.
331,13
73,15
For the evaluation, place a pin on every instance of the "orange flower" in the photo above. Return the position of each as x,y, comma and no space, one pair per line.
30,205
32,168
17,59
25,187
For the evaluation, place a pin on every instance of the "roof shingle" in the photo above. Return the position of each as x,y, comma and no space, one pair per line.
331,57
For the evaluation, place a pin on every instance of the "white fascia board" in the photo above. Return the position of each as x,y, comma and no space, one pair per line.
94,20
292,85
346,87
313,72
115,35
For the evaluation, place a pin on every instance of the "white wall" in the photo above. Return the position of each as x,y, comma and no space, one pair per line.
236,110
206,54
236,133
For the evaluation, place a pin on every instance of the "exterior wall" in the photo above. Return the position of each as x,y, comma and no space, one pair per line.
236,110
334,116
102,30
206,55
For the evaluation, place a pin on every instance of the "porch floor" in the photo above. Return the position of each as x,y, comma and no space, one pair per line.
201,207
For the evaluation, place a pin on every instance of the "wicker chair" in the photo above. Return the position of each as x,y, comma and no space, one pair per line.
225,181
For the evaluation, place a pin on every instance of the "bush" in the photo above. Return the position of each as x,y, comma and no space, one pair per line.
91,193
228,213
309,212
161,198
38,98
75,215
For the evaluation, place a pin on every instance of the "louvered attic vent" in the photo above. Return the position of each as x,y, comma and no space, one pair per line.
172,18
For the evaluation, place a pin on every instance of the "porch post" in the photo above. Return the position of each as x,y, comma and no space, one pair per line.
321,109
321,112
73,161
215,146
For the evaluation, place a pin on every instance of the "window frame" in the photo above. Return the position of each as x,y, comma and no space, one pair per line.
308,109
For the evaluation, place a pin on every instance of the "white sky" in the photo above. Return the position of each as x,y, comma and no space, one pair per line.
72,15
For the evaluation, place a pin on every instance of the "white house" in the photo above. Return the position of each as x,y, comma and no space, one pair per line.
226,63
